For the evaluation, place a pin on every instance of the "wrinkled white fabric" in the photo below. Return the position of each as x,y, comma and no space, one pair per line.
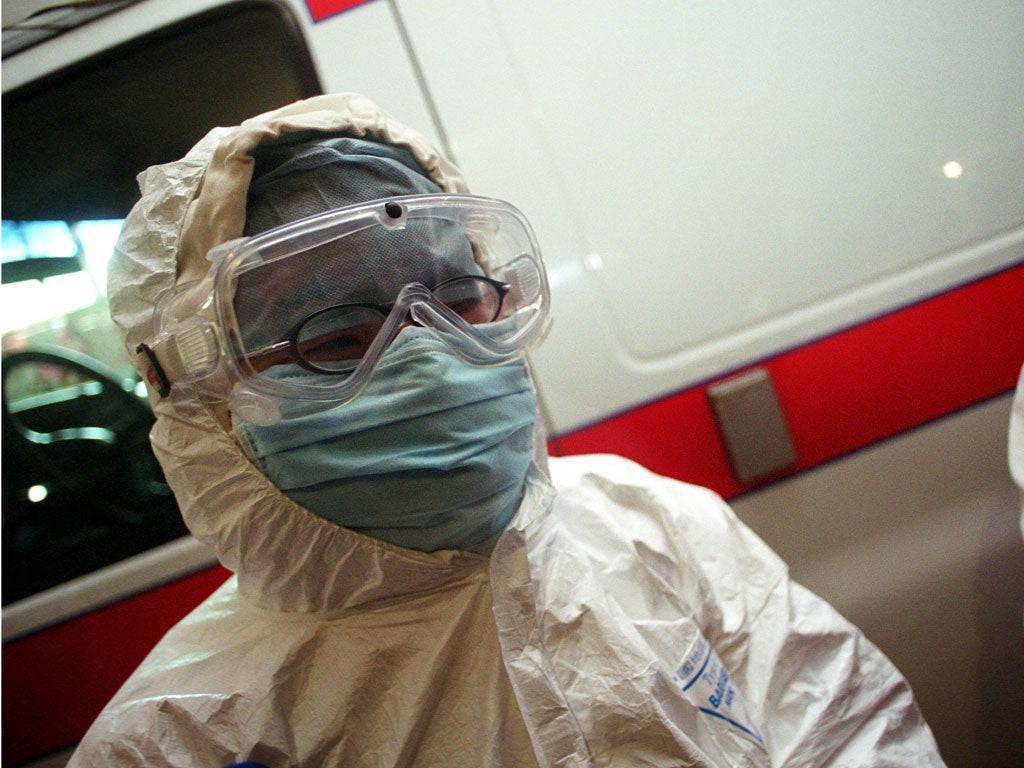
328,648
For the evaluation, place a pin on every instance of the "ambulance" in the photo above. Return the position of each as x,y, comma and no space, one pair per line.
785,244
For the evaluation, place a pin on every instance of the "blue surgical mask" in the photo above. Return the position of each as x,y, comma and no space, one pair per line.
432,454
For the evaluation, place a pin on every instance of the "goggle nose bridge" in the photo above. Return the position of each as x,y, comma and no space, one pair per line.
411,296
416,302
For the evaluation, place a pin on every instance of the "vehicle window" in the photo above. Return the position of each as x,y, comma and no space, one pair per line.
81,488
65,304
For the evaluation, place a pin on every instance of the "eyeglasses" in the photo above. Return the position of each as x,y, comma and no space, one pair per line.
335,339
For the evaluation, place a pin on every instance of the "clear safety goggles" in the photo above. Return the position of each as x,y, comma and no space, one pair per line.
305,311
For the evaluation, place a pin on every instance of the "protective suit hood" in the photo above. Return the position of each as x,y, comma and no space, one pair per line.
285,557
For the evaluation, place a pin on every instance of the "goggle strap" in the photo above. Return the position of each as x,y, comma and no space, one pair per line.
189,354
154,372
523,280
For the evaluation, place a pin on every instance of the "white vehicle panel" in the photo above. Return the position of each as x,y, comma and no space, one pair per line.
711,182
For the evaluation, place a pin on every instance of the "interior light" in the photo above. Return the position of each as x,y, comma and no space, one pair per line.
953,170
37,493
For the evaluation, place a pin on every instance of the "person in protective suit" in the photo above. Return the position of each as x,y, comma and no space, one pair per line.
333,333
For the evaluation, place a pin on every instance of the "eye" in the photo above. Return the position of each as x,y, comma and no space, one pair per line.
474,299
342,345
336,338
473,310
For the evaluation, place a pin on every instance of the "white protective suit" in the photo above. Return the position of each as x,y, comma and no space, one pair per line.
578,642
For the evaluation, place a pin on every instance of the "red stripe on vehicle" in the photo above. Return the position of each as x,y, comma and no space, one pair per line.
56,682
843,392
321,9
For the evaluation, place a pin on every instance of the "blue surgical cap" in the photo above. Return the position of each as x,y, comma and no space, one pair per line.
298,178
